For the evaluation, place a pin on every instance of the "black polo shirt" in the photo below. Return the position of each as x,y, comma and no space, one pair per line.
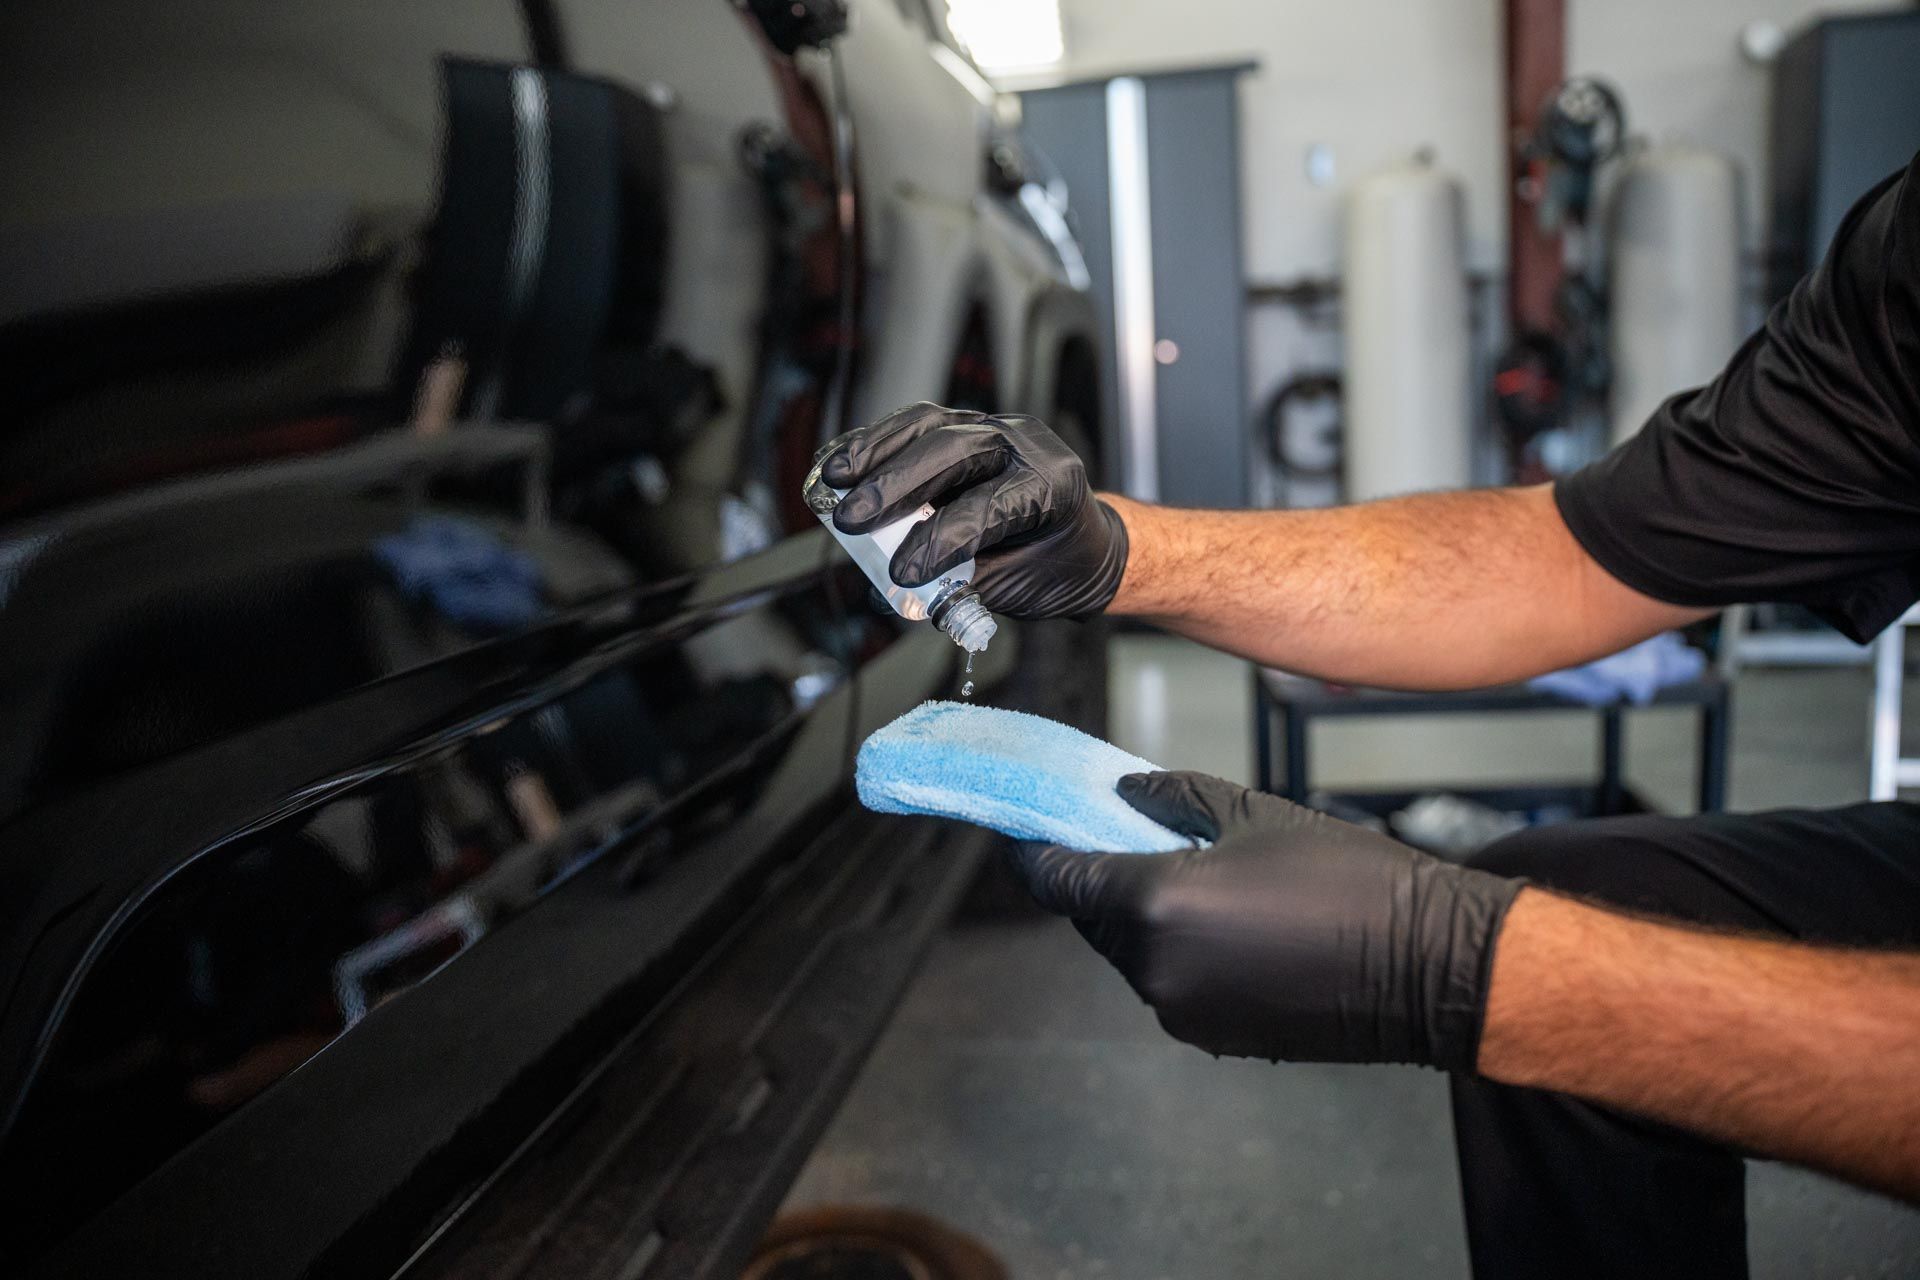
1795,475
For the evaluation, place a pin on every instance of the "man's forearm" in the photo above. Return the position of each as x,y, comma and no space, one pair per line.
1449,590
1798,1052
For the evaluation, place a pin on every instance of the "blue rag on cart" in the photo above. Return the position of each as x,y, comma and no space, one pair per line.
1635,674
1023,775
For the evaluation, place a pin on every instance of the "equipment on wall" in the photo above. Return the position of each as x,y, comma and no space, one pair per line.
1530,387
1558,365
1407,331
1279,435
1673,254
1581,127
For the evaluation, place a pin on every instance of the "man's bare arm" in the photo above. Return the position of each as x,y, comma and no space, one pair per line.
1803,1053
1432,591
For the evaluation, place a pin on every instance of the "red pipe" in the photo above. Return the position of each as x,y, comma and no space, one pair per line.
1536,63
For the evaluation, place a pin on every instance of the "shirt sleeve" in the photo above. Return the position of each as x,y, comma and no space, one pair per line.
1795,475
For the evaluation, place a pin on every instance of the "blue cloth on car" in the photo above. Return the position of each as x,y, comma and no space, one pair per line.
1634,674
1023,775
464,572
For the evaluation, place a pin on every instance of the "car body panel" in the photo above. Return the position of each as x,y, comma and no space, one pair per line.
419,667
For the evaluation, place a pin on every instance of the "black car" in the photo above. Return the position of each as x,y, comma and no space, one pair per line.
426,833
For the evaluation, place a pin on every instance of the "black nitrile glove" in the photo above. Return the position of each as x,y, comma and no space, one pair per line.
1293,936
1008,492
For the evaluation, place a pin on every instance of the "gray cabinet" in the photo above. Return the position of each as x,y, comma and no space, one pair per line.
1151,163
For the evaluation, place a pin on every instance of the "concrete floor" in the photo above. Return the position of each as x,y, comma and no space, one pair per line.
1025,1096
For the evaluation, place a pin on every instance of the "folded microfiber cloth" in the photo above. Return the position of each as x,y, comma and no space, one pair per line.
1027,776
1635,674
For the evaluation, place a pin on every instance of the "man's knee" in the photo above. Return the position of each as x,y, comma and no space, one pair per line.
1640,862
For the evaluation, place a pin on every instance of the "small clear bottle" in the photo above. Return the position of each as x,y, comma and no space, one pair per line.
948,601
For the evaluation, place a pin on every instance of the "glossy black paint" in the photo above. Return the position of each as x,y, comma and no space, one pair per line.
414,656
416,1110
208,971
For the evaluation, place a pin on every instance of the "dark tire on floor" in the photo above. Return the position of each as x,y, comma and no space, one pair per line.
862,1242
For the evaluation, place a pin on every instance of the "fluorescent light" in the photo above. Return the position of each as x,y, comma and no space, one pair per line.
1005,35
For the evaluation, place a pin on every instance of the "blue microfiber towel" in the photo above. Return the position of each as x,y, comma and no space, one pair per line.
1026,776
1633,675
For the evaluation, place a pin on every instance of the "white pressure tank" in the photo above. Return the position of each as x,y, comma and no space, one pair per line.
1673,248
1408,366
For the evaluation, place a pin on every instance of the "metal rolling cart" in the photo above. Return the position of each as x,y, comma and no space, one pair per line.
1285,707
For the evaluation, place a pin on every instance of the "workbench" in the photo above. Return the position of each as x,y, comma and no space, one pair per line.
1285,707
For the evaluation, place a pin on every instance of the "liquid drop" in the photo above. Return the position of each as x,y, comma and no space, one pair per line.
966,689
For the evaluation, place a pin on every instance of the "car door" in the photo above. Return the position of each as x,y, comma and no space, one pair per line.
419,672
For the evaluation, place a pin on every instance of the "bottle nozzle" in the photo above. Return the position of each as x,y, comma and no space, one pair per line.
966,621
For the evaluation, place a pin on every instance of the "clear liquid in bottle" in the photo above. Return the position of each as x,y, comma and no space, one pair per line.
948,601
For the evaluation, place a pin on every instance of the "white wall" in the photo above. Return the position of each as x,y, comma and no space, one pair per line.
1679,68
1374,79
1377,80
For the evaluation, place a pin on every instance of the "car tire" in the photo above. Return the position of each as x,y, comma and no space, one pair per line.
1062,669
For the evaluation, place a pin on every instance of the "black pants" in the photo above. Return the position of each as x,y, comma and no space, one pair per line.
1557,1187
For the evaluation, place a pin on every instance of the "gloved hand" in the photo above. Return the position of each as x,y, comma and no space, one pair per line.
1294,935
1008,491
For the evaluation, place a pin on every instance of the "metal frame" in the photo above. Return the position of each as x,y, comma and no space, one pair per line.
1297,703
1887,769
1741,645
1133,320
